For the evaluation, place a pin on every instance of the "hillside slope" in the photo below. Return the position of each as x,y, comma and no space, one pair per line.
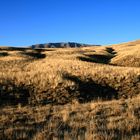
69,93
128,54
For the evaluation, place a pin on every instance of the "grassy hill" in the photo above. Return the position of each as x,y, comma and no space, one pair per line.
70,93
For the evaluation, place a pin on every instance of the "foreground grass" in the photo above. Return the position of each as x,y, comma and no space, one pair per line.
83,93
94,120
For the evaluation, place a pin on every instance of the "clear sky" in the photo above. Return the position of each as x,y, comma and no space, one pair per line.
27,22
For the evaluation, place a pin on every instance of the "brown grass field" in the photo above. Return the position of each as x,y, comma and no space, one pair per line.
90,93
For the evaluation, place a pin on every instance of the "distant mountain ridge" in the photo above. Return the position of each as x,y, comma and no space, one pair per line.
61,45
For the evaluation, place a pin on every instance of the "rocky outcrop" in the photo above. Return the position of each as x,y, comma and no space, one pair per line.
60,45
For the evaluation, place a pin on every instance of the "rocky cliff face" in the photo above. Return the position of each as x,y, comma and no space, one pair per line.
60,45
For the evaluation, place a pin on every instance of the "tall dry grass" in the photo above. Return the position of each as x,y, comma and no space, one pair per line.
83,93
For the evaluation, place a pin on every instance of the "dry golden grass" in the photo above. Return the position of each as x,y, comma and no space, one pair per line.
81,93
128,54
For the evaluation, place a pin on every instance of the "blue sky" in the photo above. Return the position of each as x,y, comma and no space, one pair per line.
27,22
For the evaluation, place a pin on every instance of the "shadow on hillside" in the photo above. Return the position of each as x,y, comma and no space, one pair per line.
99,58
111,50
2,54
36,54
44,49
24,49
12,94
96,58
13,49
89,90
